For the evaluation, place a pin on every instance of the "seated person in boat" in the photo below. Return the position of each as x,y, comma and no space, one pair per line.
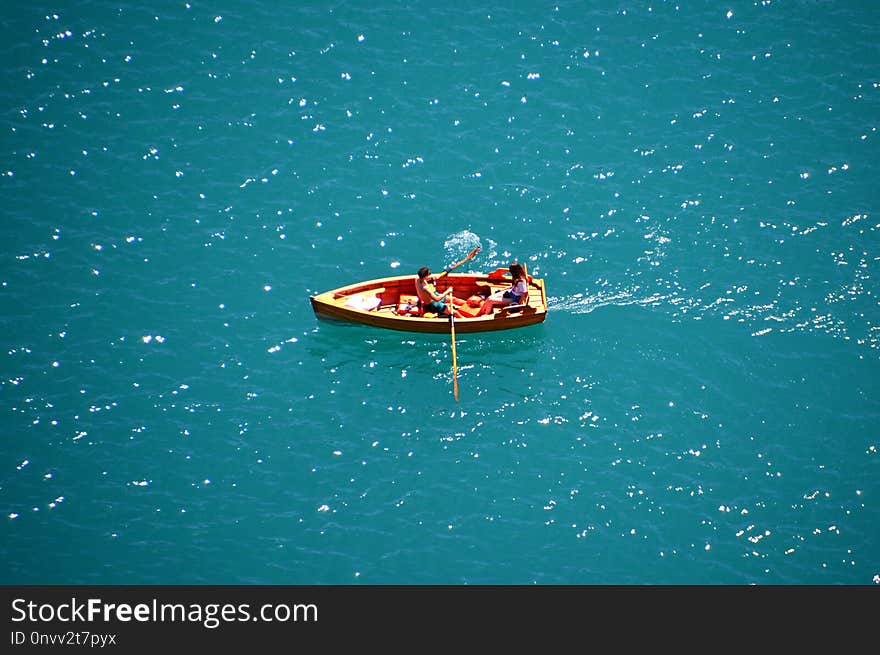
515,294
431,300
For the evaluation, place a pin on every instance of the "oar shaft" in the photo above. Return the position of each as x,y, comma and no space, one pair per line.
454,366
454,361
463,261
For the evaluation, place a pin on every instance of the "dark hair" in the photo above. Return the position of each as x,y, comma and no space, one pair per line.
424,272
518,271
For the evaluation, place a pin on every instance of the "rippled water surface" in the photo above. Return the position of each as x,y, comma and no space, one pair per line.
696,183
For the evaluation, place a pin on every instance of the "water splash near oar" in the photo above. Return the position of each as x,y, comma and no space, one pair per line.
460,243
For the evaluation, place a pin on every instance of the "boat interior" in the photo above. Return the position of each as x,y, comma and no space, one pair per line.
397,296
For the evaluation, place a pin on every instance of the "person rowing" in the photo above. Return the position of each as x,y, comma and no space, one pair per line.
433,301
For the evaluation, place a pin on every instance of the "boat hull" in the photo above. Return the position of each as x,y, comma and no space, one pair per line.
344,304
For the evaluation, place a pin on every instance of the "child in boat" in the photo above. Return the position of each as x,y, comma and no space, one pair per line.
433,301
513,295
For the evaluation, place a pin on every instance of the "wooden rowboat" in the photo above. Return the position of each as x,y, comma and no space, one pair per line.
382,303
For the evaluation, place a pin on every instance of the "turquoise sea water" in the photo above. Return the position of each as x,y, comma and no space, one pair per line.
695,181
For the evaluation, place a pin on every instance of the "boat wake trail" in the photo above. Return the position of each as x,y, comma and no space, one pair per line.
581,303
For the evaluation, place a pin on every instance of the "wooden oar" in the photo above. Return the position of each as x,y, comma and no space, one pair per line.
470,256
452,332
